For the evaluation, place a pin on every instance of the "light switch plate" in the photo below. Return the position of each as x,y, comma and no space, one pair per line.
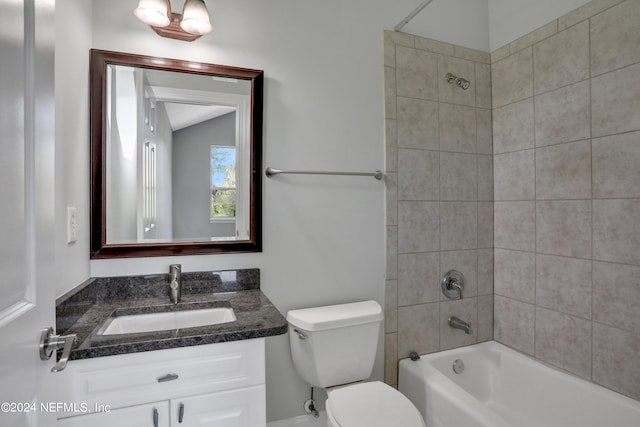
72,225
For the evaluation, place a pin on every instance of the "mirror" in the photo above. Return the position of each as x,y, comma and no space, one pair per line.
176,153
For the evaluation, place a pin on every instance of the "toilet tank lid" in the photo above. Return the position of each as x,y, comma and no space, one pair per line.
335,316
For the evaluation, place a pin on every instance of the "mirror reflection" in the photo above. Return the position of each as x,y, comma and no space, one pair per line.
182,139
176,165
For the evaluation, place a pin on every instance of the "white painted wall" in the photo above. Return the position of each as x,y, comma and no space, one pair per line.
191,168
323,236
512,19
123,154
72,45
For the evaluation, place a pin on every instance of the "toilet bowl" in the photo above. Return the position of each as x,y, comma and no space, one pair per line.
334,347
372,404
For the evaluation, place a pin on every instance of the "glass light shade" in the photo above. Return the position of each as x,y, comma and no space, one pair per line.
195,17
153,12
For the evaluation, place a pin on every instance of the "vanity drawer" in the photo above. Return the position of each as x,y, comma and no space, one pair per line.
126,380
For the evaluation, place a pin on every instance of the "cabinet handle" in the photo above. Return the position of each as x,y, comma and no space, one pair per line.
155,417
168,377
181,413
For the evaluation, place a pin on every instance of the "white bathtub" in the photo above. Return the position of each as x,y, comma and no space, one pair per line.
500,387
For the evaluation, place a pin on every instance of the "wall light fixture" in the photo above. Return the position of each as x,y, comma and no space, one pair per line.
188,26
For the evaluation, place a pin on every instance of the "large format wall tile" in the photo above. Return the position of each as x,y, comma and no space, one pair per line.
564,228
483,85
515,275
390,96
485,272
458,177
561,59
391,246
578,112
418,175
616,230
534,37
513,127
484,130
485,318
391,306
564,171
416,73
514,324
614,352
391,145
563,115
418,124
418,227
514,175
615,166
515,225
458,225
616,295
512,78
617,27
485,225
585,11
418,329
615,101
563,341
434,46
564,284
391,359
391,205
485,178
418,278
457,128
439,194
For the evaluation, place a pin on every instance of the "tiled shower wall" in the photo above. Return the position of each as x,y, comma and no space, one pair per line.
439,179
566,123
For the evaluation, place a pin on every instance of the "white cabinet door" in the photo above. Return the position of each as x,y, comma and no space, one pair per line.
149,415
236,408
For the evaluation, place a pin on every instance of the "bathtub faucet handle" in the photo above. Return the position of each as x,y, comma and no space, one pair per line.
453,284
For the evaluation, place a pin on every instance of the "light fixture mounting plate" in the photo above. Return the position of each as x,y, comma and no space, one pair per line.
174,31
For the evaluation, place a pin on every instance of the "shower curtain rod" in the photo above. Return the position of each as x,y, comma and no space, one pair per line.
412,15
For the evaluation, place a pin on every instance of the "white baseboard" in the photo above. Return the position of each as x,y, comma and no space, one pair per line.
301,421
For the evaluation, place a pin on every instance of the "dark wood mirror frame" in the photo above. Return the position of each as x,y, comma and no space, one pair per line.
99,248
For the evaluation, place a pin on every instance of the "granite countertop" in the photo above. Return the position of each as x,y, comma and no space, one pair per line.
85,309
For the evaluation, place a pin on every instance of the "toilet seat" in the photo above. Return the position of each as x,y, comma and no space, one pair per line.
372,404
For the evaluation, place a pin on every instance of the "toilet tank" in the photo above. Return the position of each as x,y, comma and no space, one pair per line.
335,344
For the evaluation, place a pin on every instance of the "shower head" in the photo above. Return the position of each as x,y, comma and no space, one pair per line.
458,81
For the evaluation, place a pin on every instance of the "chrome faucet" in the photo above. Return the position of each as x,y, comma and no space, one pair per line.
456,323
175,284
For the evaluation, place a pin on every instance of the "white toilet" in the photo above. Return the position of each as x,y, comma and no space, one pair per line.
334,348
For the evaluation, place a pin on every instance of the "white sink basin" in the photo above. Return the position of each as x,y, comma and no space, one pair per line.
150,322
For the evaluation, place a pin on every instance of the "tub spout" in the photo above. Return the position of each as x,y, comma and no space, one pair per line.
456,323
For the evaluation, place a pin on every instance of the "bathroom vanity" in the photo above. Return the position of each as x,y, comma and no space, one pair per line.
191,376
217,384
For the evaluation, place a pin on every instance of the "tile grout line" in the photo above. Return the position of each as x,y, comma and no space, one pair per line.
592,192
